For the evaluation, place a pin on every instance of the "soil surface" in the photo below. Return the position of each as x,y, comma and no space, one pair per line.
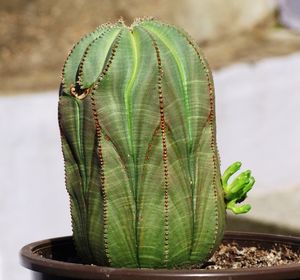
232,255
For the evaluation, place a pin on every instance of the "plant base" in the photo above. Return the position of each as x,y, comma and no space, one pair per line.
55,259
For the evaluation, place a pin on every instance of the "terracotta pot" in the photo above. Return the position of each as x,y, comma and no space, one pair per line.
56,259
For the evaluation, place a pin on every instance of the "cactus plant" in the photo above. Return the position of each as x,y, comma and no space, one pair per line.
137,122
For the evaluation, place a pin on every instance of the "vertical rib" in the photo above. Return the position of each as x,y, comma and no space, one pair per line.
211,123
102,177
98,128
211,120
164,155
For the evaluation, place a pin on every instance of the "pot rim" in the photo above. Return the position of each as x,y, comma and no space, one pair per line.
31,260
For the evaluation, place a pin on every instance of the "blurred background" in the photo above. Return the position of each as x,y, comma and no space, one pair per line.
253,47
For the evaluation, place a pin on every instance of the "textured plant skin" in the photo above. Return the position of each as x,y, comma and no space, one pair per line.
137,121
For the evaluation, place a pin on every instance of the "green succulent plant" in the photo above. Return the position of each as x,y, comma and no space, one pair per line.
137,121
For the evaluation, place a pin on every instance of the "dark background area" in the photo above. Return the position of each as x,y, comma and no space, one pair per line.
36,35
